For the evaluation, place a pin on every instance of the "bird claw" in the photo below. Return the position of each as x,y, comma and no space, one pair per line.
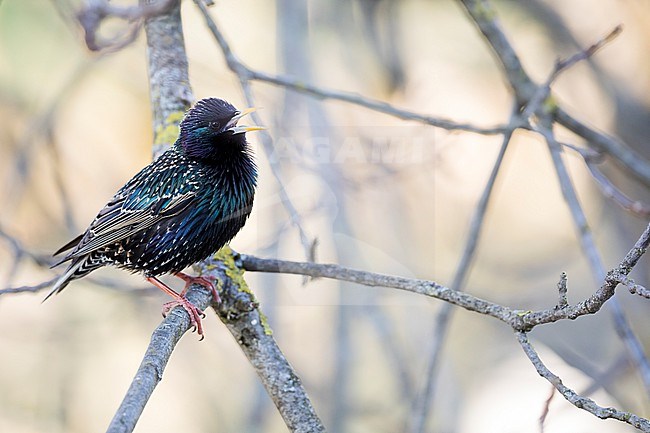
195,314
180,300
207,282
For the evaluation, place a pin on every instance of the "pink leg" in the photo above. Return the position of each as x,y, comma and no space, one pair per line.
195,313
203,281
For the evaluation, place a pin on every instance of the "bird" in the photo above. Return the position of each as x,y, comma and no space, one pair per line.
178,210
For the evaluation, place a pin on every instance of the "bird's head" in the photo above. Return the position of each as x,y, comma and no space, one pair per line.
209,129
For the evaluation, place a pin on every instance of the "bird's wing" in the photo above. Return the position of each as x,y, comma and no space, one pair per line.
124,222
154,194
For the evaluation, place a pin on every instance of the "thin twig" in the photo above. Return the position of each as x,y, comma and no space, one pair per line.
629,158
634,288
591,252
341,273
543,91
607,188
29,289
422,404
239,68
562,291
40,125
517,319
574,398
96,11
484,16
372,104
545,410
535,104
563,65
267,142
610,191
20,251
149,374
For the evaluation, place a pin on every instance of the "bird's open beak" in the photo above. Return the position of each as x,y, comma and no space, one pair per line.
232,125
241,129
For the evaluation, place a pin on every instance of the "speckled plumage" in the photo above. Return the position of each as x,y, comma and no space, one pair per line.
179,209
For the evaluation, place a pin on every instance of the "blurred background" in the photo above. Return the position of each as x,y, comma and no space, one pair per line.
377,192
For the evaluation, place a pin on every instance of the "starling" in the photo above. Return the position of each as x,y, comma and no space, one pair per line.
178,210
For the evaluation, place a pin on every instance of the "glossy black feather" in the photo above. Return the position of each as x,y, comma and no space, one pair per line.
179,209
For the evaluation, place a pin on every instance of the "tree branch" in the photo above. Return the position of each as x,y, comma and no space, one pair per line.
634,288
519,320
573,397
240,313
243,71
588,245
484,16
149,374
628,157
96,11
169,83
422,405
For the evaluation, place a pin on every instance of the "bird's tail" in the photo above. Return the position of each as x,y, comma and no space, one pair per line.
64,279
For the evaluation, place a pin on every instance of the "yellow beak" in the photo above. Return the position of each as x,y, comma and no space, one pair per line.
240,129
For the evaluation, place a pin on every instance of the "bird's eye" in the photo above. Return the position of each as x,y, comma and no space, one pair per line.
214,125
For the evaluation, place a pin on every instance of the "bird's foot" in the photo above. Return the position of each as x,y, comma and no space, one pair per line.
195,314
208,283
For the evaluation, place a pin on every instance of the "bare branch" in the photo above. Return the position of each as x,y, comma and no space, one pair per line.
484,16
239,68
563,65
574,398
149,374
588,245
610,191
239,312
519,320
19,251
422,404
543,91
607,188
29,289
562,291
628,157
545,409
422,287
96,11
634,288
535,104
42,125
169,83
307,244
